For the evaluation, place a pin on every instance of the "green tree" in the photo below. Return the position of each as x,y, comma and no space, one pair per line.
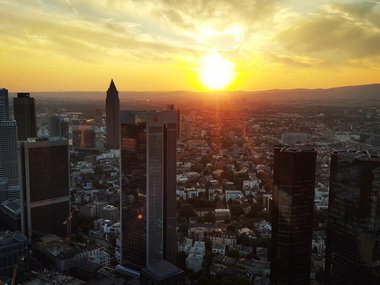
209,217
186,210
181,260
236,210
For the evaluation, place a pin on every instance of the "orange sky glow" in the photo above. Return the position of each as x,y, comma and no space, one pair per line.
77,45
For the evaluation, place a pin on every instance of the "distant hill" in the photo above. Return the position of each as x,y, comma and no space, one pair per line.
359,93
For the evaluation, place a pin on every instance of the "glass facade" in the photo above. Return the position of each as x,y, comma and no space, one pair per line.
148,203
353,227
292,214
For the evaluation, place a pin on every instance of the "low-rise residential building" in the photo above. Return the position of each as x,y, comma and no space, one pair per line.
194,261
184,245
233,195
222,237
222,215
218,248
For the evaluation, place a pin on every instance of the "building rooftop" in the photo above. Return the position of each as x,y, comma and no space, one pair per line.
162,270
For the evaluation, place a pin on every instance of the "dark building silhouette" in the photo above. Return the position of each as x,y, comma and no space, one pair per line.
148,197
58,127
4,105
10,190
292,214
25,116
46,185
84,137
13,251
353,227
113,117
171,107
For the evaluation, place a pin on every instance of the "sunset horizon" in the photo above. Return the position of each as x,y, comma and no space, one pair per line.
162,45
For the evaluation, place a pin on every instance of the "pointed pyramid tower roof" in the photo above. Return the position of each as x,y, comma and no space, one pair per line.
112,86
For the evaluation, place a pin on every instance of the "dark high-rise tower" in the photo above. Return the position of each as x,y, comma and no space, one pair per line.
9,173
4,106
292,214
25,116
148,199
46,185
353,227
113,116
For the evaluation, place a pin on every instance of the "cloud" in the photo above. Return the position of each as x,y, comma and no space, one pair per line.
286,32
338,34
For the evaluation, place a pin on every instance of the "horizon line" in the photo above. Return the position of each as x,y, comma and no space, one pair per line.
200,91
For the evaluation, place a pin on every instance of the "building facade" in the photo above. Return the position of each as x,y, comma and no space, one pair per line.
13,252
25,115
46,185
84,137
113,117
353,227
58,127
148,196
292,214
4,105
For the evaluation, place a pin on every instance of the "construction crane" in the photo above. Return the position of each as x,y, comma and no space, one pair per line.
67,222
14,275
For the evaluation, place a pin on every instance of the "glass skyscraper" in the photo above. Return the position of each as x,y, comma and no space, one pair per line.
292,214
353,226
148,196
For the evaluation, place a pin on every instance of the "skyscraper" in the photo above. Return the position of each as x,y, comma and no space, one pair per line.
353,225
292,214
46,185
58,127
4,106
113,116
148,196
9,158
9,173
25,116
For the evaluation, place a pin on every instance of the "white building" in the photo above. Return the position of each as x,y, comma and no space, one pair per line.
222,215
185,245
195,259
194,262
103,258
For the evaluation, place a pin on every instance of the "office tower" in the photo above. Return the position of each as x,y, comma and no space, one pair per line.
25,116
46,185
148,196
10,189
58,127
13,251
4,106
9,158
113,116
84,137
353,224
292,214
171,107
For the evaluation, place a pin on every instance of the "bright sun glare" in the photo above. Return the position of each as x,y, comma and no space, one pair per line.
216,73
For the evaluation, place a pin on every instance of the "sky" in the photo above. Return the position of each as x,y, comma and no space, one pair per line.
158,45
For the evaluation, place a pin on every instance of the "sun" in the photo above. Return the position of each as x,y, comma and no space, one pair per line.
216,73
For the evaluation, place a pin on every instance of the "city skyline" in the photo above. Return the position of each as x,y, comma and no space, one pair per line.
268,44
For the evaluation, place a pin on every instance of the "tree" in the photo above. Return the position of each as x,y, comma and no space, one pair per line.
236,210
186,211
181,260
209,217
